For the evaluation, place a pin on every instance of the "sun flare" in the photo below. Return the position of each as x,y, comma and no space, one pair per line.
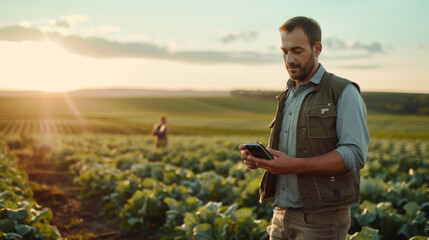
35,65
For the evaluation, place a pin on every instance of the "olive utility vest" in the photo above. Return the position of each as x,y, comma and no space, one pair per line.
316,135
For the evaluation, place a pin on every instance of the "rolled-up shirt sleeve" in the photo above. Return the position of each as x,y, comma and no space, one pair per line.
352,130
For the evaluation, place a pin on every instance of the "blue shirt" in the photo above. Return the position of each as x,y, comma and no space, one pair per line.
352,132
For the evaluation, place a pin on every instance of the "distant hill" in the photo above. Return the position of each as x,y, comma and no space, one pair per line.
4,93
116,93
384,102
397,103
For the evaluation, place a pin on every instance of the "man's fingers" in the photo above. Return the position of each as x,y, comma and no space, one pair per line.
273,152
251,161
245,155
262,163
250,164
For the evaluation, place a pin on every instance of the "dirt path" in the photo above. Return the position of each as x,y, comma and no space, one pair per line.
54,189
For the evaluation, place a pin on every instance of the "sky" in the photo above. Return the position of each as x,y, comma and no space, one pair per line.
54,45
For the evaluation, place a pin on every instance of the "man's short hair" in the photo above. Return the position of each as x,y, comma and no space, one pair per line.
310,26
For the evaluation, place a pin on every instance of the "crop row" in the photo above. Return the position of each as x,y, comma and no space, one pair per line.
20,216
53,126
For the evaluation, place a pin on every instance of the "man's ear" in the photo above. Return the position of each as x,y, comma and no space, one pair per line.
317,49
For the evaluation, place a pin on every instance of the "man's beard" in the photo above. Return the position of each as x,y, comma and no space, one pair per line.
303,71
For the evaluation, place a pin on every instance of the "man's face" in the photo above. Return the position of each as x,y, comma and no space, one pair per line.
299,57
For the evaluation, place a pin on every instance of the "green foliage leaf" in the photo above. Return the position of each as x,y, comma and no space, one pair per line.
7,226
213,206
367,233
40,215
190,221
411,209
419,238
12,236
4,195
173,204
367,215
372,188
17,214
221,227
207,215
389,219
231,209
203,232
242,214
47,231
133,220
404,230
23,229
157,173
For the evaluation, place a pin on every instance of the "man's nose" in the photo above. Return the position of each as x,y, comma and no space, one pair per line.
289,59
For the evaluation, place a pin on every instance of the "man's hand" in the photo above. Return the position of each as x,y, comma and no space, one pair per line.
281,164
325,164
248,158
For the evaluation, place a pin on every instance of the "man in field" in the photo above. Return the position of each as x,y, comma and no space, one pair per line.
319,140
159,133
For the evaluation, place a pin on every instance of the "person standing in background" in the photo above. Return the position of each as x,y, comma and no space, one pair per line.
159,133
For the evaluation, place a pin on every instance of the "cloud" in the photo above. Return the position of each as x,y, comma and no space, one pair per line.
73,20
98,47
232,36
374,47
345,56
93,45
66,22
359,66
337,44
106,28
18,33
24,24
100,30
62,23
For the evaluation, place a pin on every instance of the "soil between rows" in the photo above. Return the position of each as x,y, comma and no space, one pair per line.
73,218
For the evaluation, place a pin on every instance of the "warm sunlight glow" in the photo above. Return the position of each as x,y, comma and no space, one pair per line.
27,62
46,66
75,112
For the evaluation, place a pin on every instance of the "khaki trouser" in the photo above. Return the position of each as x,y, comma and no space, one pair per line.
295,224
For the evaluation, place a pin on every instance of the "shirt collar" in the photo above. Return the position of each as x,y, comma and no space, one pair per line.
315,79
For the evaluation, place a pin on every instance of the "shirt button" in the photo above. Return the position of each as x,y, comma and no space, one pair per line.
290,113
286,131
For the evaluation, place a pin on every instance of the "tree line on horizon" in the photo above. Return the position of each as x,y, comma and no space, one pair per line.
384,102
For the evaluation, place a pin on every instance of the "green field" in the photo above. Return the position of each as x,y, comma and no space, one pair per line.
196,188
54,114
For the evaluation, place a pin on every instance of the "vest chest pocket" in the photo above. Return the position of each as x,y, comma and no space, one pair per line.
322,121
